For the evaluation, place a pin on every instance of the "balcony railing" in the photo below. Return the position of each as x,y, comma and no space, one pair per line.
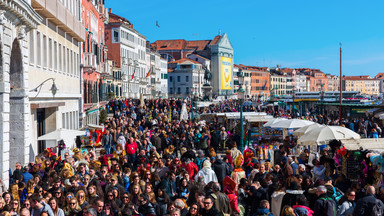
90,61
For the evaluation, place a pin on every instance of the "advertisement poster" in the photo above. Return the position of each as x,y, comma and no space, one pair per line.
226,73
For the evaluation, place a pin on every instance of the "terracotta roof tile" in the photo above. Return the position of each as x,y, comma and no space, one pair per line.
169,44
197,45
215,40
183,60
379,76
357,78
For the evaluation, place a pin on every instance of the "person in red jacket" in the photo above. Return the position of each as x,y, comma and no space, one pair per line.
190,167
130,148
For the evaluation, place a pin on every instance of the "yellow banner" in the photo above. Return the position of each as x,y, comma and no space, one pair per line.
226,73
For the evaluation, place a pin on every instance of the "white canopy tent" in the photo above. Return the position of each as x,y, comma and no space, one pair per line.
322,135
292,123
273,121
370,144
68,136
306,129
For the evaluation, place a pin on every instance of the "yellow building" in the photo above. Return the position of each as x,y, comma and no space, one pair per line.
364,84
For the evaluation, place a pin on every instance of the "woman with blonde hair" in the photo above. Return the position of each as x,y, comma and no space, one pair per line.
135,194
80,196
149,191
55,207
92,194
73,209
15,207
29,189
287,211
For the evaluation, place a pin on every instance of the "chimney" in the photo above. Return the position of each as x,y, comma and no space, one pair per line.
110,10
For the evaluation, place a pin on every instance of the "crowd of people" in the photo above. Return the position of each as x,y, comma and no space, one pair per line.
153,164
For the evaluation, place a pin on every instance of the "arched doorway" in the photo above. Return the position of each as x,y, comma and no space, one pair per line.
19,151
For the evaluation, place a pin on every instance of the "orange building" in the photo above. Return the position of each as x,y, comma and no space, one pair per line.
260,81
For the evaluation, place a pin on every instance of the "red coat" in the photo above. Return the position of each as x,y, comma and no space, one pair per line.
191,168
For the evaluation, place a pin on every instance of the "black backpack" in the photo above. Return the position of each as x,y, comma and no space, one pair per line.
377,210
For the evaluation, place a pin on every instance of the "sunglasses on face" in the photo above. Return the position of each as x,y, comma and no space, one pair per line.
73,203
69,197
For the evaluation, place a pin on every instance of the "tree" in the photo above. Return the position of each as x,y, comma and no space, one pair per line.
103,115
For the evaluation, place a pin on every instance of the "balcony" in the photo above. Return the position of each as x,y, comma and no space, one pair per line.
56,12
105,68
90,61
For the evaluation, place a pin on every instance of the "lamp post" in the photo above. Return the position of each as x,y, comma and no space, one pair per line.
53,88
240,95
293,100
322,98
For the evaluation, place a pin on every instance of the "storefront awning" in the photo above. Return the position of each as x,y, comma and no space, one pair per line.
370,144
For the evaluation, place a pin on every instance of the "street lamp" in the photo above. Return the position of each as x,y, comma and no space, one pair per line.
322,98
293,100
240,95
53,88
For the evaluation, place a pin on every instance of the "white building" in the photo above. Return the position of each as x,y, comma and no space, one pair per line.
131,55
54,51
163,78
17,19
185,78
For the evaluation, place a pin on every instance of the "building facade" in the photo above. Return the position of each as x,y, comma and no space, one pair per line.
93,59
17,19
365,84
218,51
55,50
280,85
333,83
129,54
185,78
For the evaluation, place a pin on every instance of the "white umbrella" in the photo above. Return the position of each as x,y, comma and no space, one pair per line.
60,134
273,121
306,129
323,135
292,123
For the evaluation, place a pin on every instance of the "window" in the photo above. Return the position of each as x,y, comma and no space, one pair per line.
178,78
55,57
186,78
170,90
31,47
44,51
38,46
178,90
50,54
116,36
170,79
187,90
60,58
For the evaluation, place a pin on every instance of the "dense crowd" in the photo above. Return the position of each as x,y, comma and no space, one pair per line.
153,164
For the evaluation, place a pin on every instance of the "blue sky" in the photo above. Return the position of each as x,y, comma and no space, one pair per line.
291,33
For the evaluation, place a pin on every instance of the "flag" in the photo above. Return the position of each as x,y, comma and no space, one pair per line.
265,84
149,73
134,71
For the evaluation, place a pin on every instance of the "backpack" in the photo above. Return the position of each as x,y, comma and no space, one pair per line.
330,205
377,210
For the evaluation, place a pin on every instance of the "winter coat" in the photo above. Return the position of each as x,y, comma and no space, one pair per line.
365,205
191,168
302,210
276,199
222,202
207,173
346,208
290,198
263,211
221,169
